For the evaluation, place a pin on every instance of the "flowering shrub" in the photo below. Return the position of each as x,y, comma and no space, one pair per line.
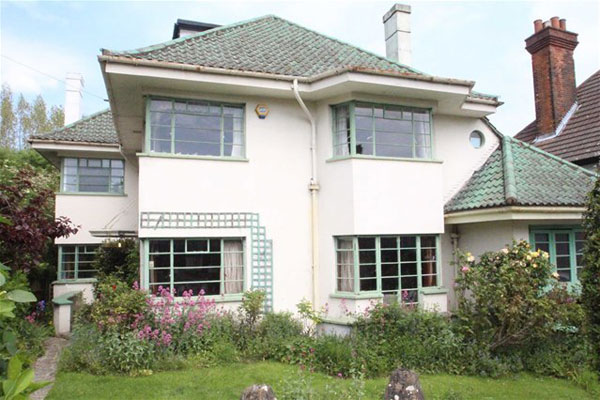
510,297
176,324
117,305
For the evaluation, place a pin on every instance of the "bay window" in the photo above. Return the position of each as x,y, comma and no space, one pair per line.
201,128
214,265
565,248
92,175
381,131
390,265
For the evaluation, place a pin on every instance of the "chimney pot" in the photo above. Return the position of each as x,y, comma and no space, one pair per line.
554,22
537,25
396,23
563,24
73,94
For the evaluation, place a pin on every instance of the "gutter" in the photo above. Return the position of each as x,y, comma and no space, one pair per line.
120,59
314,191
72,143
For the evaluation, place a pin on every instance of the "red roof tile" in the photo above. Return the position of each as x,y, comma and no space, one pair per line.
580,138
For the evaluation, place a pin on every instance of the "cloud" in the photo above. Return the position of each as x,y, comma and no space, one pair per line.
29,67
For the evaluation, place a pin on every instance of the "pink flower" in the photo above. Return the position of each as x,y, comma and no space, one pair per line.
465,269
340,375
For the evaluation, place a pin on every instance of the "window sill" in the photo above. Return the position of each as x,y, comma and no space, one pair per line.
91,194
402,159
74,281
192,157
356,296
434,290
338,321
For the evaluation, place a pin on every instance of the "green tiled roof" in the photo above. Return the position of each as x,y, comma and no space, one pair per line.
517,174
266,44
96,128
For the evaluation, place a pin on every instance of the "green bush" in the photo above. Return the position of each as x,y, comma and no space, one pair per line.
107,352
590,275
117,305
119,259
395,336
503,299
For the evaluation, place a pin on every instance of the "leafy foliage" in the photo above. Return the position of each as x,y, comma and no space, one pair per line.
117,305
504,300
20,118
590,275
120,259
26,200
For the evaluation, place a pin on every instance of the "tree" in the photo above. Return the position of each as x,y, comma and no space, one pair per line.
590,275
25,200
24,119
9,120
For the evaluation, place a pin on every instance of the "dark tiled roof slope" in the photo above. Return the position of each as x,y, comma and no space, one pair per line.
266,44
518,174
580,138
96,128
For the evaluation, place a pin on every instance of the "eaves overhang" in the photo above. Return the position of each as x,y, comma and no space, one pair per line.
514,213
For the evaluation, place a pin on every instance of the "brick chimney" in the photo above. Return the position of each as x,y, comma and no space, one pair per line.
551,48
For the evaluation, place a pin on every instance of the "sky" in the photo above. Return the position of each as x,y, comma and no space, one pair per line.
40,41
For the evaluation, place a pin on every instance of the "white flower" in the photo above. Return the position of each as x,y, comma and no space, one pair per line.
555,275
505,251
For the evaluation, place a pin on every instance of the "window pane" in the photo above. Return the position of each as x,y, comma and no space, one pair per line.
160,105
200,128
368,284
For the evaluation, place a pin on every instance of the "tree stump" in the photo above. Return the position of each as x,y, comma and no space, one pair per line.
404,385
258,392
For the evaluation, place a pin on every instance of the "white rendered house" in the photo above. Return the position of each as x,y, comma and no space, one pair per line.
264,155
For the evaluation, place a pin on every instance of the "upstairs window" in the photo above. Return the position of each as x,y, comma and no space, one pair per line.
92,175
198,128
381,131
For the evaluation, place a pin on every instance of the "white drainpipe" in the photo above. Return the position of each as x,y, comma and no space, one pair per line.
314,189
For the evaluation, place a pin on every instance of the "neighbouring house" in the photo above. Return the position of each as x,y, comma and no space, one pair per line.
264,155
567,122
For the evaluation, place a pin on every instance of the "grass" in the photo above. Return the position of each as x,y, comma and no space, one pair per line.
228,382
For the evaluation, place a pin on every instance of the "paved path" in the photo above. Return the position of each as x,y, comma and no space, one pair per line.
45,366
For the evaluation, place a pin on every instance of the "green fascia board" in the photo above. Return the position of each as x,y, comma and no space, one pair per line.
193,157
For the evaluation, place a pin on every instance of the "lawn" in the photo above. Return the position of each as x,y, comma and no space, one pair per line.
228,381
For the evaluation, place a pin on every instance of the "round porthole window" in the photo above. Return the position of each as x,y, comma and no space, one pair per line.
476,139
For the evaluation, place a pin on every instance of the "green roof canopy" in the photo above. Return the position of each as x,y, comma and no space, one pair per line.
97,128
517,174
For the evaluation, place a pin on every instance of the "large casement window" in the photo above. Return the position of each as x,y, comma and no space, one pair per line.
381,131
199,128
92,175
213,265
76,261
565,247
391,265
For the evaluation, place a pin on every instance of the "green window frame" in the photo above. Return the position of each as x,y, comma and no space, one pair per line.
75,262
196,128
381,130
214,265
565,248
92,175
391,265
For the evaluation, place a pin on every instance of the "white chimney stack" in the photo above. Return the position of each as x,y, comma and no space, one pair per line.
73,95
396,23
